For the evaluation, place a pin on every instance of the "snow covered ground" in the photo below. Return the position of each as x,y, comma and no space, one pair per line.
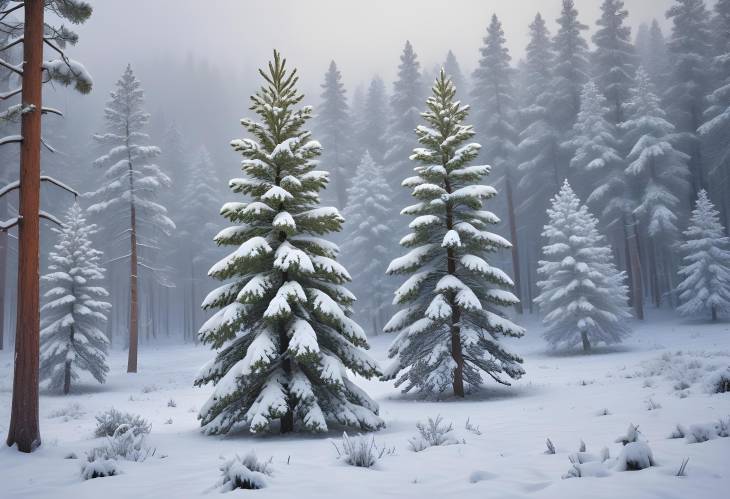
564,397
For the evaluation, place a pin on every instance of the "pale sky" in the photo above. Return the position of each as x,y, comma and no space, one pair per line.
363,36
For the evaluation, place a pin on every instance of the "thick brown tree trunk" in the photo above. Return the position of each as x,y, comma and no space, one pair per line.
24,431
515,247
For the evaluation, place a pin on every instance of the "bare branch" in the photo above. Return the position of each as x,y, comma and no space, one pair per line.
10,187
11,93
5,13
11,139
10,67
9,224
12,44
47,216
47,146
58,183
51,110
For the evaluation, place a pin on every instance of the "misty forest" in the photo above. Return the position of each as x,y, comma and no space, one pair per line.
475,248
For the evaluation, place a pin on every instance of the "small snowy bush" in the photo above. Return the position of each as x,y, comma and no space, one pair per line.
109,421
632,435
699,433
678,432
244,473
590,468
124,444
71,411
359,451
171,403
652,405
433,434
635,456
96,467
550,447
719,382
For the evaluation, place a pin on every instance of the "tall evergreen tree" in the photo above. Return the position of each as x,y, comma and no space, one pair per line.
614,58
283,332
690,48
538,151
404,103
706,272
599,165
570,71
131,183
450,324
651,48
583,297
715,131
374,121
75,310
367,248
453,70
495,115
200,197
657,172
333,124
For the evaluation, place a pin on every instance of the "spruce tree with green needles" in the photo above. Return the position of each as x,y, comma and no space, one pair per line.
450,321
283,332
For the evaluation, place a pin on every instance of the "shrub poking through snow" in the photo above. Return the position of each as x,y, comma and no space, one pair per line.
468,426
678,432
359,451
550,447
171,403
244,473
98,467
635,456
434,433
652,405
71,411
632,435
719,382
109,421
699,433
682,471
582,446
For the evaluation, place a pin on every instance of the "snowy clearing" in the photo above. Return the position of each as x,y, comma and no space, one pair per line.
656,380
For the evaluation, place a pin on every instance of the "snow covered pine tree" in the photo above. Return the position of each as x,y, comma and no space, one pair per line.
283,331
449,324
72,317
583,298
706,284
367,247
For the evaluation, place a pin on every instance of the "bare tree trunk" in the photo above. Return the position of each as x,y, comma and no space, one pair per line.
515,247
133,298
634,262
24,429
3,266
67,378
456,352
193,306
586,342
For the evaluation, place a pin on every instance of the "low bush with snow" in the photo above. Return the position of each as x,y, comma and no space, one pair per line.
109,421
124,444
433,433
719,382
360,451
68,413
244,473
98,465
635,456
699,433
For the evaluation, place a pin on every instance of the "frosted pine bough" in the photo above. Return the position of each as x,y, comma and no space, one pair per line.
74,311
283,330
449,322
583,298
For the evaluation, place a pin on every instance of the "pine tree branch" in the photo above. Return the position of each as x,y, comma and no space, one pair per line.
12,44
47,216
5,13
9,224
58,183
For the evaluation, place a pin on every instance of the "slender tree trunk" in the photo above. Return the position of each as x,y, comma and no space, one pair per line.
193,305
634,262
24,431
515,246
656,291
67,378
287,420
586,341
133,298
3,266
456,352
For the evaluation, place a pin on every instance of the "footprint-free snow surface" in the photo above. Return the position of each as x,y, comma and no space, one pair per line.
656,380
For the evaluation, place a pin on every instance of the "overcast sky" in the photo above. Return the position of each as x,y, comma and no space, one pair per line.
363,36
